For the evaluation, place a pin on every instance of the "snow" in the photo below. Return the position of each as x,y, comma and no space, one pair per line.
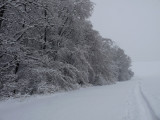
137,99
149,82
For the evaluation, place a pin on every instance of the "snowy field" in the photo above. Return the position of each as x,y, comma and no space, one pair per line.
137,99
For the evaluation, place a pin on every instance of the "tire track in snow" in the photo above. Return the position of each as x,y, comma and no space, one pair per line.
146,104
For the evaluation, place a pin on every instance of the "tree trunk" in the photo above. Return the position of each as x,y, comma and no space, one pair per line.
2,10
45,29
17,65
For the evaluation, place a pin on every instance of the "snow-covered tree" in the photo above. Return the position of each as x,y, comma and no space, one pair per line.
49,45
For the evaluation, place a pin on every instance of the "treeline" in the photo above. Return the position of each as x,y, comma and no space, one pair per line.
50,45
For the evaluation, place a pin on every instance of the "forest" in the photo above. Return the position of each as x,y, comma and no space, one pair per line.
50,45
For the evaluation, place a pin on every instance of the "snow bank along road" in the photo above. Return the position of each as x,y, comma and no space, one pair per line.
137,99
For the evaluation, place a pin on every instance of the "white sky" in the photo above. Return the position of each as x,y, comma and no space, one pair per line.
133,24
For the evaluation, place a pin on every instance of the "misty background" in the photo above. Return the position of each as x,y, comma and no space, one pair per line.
133,24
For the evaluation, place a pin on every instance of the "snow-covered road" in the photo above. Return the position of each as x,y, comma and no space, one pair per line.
137,99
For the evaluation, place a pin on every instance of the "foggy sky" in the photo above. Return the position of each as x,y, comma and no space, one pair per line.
133,24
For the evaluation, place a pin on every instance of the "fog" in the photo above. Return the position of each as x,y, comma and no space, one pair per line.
133,24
